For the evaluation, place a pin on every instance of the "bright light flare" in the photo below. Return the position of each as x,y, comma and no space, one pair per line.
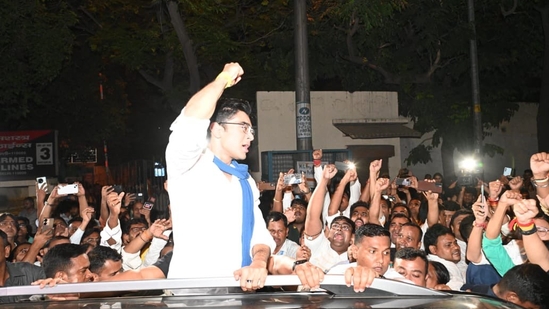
468,164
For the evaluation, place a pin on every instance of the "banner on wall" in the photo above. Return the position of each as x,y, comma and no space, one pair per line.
28,154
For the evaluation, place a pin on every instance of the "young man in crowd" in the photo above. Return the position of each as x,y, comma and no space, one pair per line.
105,263
201,156
277,224
442,247
412,264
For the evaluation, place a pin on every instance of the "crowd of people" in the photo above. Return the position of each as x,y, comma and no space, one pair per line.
488,237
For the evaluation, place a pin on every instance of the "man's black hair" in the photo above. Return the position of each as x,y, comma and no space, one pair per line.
59,258
275,216
399,215
529,281
417,227
400,204
100,255
90,230
410,254
466,227
299,201
347,220
75,219
226,108
359,204
432,235
443,275
450,206
127,225
48,243
370,230
458,213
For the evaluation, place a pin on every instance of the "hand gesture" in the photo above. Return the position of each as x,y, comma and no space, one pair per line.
360,277
431,196
351,173
329,171
159,226
252,277
317,154
539,164
87,214
381,184
304,186
235,71
516,183
41,191
114,201
303,253
280,185
42,237
309,275
509,198
479,210
105,191
494,189
375,167
525,210
128,199
81,190
290,214
413,182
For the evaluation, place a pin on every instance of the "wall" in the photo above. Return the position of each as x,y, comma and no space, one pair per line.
276,120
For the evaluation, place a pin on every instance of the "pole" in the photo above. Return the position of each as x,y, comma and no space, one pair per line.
477,116
302,88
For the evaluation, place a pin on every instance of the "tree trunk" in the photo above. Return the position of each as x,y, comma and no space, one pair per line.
187,45
543,107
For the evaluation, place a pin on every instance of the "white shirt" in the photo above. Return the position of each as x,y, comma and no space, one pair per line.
288,248
457,278
206,207
322,254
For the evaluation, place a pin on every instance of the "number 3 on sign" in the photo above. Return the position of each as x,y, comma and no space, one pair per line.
44,153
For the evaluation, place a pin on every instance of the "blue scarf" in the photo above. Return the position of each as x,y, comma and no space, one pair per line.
241,171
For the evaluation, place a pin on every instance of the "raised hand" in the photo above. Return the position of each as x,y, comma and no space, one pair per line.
329,171
290,215
105,191
494,189
375,167
382,184
525,211
129,198
158,227
509,198
234,71
479,210
114,201
539,164
41,191
317,154
81,190
303,253
87,214
516,183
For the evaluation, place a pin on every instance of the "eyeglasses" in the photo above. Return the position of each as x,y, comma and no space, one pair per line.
246,127
137,229
542,231
343,227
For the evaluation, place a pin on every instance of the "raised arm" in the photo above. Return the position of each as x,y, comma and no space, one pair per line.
432,207
202,104
508,198
539,164
104,216
536,250
313,222
375,205
335,203
474,243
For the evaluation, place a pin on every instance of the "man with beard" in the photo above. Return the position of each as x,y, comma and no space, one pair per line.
442,247
277,224
359,213
327,249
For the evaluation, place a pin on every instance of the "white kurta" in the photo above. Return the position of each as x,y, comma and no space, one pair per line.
206,207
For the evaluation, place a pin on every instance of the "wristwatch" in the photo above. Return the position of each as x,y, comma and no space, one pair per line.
298,262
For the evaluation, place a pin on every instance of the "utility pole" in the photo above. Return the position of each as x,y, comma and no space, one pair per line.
302,86
477,116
